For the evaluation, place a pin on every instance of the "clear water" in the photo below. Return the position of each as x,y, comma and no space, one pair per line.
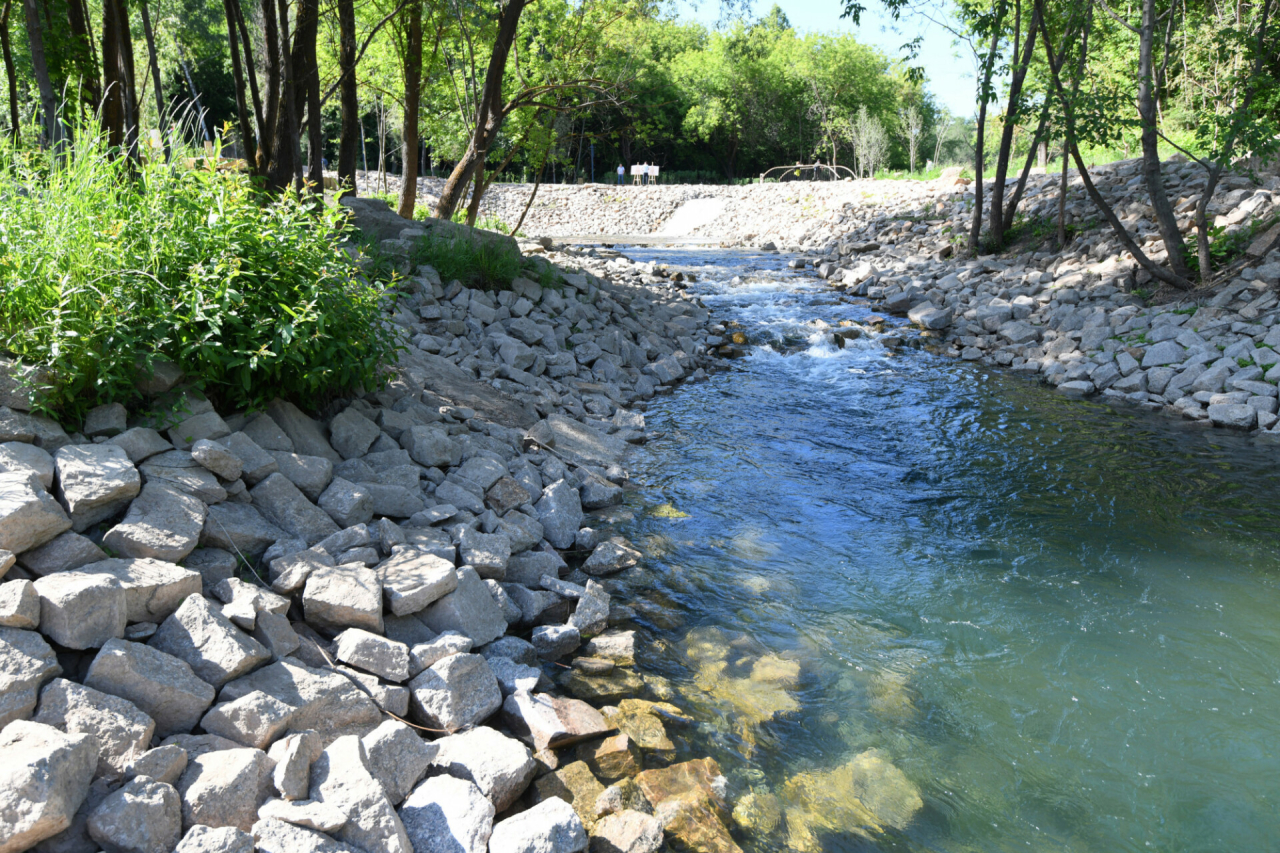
1060,621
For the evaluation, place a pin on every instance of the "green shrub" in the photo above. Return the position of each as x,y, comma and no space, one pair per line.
476,262
104,270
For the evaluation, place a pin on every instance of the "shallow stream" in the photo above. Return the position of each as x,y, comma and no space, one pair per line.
1055,623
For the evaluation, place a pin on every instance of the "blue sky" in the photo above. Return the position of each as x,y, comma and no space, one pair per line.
949,70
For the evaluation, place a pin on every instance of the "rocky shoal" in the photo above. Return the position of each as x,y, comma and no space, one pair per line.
386,626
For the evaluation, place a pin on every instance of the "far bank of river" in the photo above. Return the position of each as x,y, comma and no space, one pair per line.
998,618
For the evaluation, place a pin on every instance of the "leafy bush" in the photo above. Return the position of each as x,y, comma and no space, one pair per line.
104,271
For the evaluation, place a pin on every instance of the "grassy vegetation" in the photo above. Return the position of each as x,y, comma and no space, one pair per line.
1225,249
105,270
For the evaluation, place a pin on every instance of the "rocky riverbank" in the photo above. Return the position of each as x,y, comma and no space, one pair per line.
385,626
1084,319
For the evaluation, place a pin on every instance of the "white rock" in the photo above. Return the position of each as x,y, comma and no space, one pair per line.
122,730
276,836
255,720
29,516
19,605
412,580
26,662
144,816
162,523
340,777
81,611
551,826
95,481
293,756
321,817
398,757
44,777
454,693
347,596
448,815
372,653
501,767
162,686
224,839
224,788
153,589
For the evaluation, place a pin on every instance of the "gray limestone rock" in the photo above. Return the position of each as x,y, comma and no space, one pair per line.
431,446
552,826
560,512
218,458
95,481
547,721
398,758
514,677
179,469
65,552
239,528
29,516
26,662
511,612
255,720
306,435
216,649
81,611
289,574
224,839
340,777
204,425
598,493
266,433
373,653
456,692
527,569
162,523
487,553
1233,415
412,580
469,610
448,815
224,788
501,767
311,474
282,504
512,648
581,444
276,836
347,503
256,464
214,565
611,557
153,589
351,433
306,813
555,641
144,816
162,686
164,764
591,616
18,457
19,605
44,777
617,646
429,653
276,635
323,700
123,731
141,443
293,756
340,597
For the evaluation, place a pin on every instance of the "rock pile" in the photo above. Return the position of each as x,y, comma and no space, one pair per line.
369,631
1077,319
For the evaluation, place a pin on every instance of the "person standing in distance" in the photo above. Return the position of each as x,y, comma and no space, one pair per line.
621,172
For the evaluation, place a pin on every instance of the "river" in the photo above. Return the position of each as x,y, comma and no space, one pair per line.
1053,622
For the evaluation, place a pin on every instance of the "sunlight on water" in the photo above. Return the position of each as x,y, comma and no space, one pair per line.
917,605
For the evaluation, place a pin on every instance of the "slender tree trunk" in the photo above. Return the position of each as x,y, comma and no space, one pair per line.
351,134
488,111
1021,64
10,74
1062,194
307,88
477,192
1166,219
286,154
237,75
154,62
128,75
112,76
85,63
267,140
251,74
975,230
412,89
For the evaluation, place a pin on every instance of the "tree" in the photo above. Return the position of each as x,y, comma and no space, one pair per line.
412,91
914,122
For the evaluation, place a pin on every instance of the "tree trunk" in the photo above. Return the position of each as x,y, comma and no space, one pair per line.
1062,194
975,230
86,63
251,74
477,192
488,111
412,90
306,89
154,62
267,139
1166,219
351,133
1021,64
237,75
286,153
113,96
10,74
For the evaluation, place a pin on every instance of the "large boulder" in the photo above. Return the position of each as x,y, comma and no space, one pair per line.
162,523
95,481
216,649
224,788
153,589
26,662
469,609
144,816
44,777
551,826
340,777
29,516
448,815
162,686
501,767
122,730
82,611
454,693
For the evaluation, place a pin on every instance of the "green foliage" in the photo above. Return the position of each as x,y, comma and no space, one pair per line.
105,270
1224,248
476,262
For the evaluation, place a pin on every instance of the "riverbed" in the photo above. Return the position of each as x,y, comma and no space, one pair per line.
1025,622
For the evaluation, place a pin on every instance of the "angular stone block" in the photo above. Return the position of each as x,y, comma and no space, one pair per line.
153,589
95,481
82,611
160,685
216,650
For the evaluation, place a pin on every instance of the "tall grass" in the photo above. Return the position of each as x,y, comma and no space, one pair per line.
472,260
106,267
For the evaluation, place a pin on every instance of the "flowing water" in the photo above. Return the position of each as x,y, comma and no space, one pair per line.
1056,624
